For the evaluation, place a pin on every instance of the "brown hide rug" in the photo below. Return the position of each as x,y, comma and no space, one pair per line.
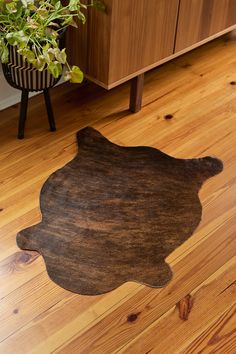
113,214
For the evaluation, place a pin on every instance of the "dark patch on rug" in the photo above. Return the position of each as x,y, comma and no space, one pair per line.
113,214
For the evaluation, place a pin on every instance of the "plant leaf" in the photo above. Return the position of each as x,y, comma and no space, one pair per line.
67,76
61,55
4,53
76,75
55,69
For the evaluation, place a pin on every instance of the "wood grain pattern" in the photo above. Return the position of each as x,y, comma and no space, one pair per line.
136,93
100,228
219,336
36,315
133,37
170,327
199,19
76,39
142,33
99,37
126,38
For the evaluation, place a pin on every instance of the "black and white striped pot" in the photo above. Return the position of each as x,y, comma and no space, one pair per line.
22,75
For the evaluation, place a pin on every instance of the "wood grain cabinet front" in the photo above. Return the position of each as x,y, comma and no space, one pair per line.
140,35
130,36
134,36
201,19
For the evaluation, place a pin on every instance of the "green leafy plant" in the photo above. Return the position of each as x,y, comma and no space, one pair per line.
34,27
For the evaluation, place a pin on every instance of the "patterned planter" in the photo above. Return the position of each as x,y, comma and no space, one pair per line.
23,76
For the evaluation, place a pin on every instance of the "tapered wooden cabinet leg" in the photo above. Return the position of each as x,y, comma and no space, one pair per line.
51,119
23,113
136,93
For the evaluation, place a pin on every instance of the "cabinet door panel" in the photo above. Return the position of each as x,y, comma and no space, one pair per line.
142,33
89,45
199,19
128,37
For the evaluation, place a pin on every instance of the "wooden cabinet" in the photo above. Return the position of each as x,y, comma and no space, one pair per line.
140,35
133,36
129,37
201,19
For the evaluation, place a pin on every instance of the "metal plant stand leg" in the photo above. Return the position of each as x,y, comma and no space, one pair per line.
23,113
51,119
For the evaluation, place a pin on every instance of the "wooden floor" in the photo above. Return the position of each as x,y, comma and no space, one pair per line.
37,316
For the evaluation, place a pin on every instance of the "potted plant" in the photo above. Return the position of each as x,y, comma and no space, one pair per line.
32,51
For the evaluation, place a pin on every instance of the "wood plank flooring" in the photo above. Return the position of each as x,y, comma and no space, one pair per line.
37,316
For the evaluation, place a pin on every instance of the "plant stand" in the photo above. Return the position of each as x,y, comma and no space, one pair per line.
23,76
23,112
